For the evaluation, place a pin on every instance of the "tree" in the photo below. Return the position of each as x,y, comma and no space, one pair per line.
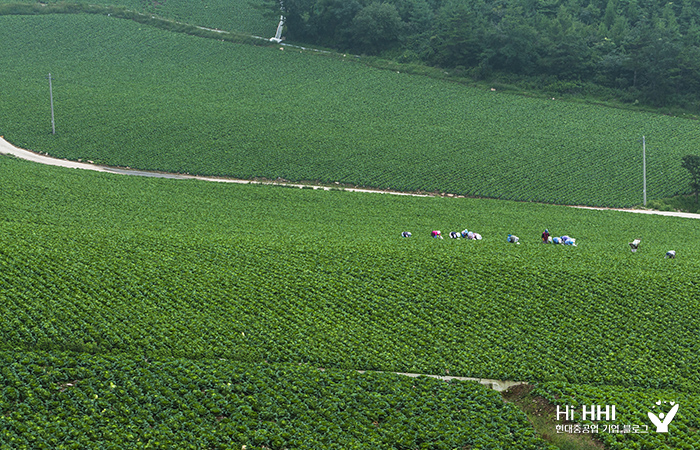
376,28
456,38
512,45
332,20
610,14
692,163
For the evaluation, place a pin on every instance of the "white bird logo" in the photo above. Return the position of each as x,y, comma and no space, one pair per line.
662,427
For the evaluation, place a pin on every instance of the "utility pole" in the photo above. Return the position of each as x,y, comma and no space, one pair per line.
53,123
644,168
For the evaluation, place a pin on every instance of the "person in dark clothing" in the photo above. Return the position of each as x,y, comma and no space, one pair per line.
634,245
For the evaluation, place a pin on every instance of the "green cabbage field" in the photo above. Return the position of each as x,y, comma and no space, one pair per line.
189,269
159,313
129,269
130,95
56,401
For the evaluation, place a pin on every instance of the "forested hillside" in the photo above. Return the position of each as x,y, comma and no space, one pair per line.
640,51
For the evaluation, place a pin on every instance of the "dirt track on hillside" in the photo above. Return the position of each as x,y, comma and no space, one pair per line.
8,148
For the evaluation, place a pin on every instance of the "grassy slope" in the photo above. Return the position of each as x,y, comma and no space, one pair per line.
230,15
136,96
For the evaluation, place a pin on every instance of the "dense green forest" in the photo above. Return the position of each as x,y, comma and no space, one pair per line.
639,51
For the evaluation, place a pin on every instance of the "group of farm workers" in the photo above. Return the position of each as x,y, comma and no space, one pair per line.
563,240
546,239
512,239
466,234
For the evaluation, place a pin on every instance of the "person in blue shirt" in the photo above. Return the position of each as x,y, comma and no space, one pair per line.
568,240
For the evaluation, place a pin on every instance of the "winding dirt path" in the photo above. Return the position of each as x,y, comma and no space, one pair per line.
496,385
647,211
8,148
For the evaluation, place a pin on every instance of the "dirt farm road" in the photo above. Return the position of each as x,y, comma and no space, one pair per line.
8,148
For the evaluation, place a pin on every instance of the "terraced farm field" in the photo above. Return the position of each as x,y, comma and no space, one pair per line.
132,270
129,95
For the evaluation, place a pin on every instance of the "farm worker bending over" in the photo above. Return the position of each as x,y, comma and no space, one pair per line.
513,239
545,236
454,235
670,254
634,244
556,240
406,234
470,235
436,234
566,240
